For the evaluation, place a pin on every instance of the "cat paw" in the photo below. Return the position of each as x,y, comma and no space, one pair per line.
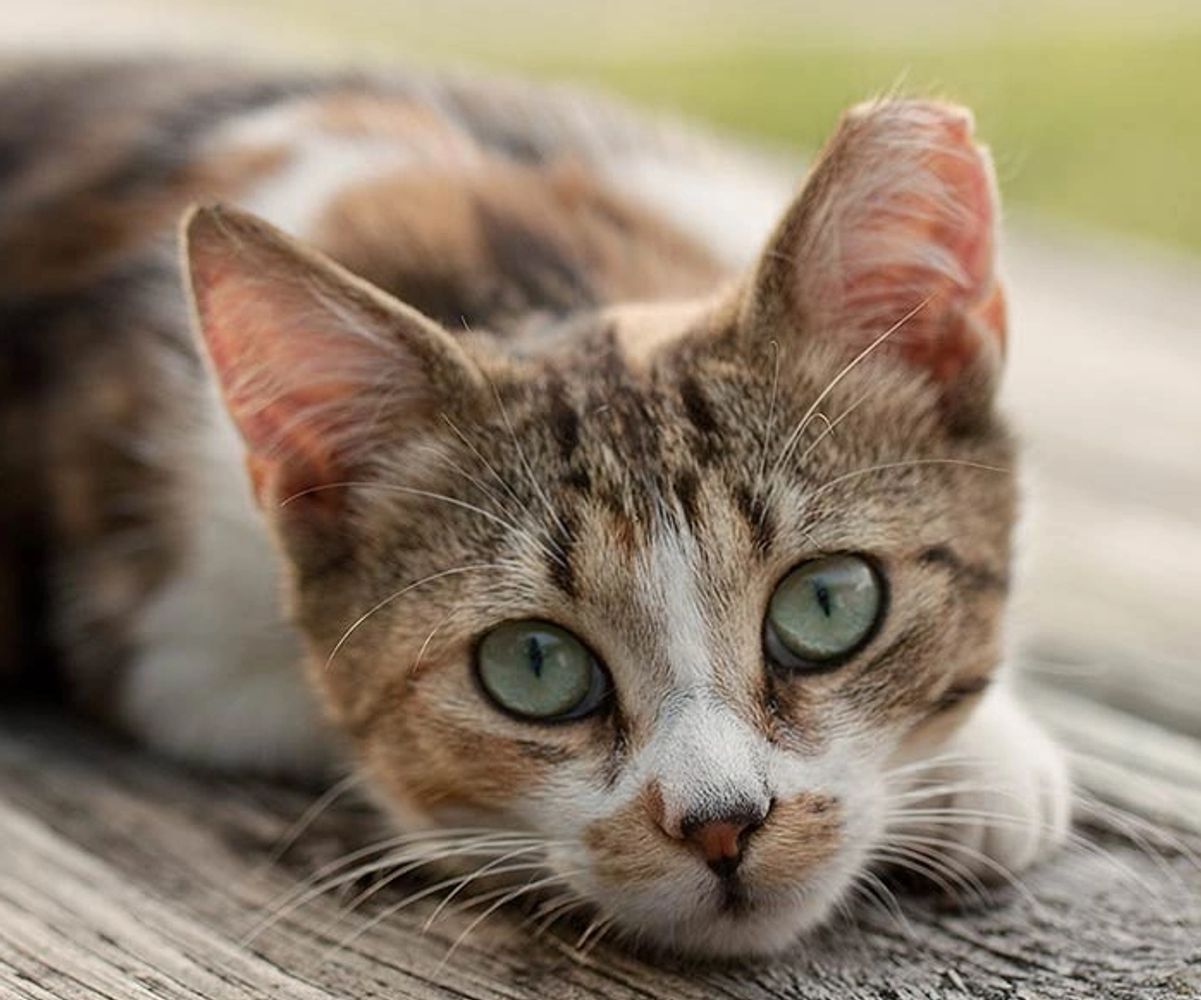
1003,801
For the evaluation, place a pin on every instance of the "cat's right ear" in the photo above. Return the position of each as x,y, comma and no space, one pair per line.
894,236
318,369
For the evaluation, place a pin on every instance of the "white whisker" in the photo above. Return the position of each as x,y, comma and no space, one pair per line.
425,893
396,595
522,890
942,844
486,870
325,878
310,815
533,479
846,369
911,463
770,429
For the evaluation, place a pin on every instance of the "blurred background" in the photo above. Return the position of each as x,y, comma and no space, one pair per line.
1093,110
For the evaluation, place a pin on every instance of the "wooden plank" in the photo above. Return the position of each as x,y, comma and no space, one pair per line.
122,877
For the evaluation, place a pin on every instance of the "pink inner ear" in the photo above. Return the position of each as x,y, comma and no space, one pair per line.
908,223
298,382
317,368
289,449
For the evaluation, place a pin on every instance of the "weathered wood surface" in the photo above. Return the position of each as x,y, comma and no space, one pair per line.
121,877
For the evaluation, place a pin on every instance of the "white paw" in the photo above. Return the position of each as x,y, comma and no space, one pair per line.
1001,803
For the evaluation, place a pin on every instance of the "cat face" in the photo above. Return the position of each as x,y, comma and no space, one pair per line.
672,587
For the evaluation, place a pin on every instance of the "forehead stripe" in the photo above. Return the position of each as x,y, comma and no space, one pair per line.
668,582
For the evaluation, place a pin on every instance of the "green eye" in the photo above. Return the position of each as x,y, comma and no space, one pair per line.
822,612
539,671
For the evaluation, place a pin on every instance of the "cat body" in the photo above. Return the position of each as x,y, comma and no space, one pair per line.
619,401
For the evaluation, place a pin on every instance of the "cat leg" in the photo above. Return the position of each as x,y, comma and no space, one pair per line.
1007,797
198,703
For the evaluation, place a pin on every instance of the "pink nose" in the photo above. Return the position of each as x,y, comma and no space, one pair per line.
717,840
720,841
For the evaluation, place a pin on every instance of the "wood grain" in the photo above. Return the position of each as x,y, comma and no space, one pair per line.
121,877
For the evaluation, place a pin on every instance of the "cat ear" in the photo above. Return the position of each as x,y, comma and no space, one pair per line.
895,228
317,368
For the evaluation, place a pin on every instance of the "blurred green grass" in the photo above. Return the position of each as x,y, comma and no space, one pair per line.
1100,131
1093,110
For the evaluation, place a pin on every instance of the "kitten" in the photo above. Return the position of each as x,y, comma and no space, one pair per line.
599,509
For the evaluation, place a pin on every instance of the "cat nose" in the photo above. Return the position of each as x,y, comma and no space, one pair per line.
720,840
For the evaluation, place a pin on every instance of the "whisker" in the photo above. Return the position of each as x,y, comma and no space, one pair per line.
770,429
324,879
933,867
879,892
548,915
462,834
911,463
965,817
473,480
424,494
831,425
941,760
533,479
394,908
1135,828
944,844
487,869
504,485
309,817
506,513
425,645
407,865
850,366
596,930
396,595
522,890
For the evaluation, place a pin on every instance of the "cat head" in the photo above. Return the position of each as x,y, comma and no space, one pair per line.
672,593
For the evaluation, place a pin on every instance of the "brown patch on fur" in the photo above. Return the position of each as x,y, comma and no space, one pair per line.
652,797
433,759
109,156
418,129
489,245
790,714
100,499
630,847
800,834
91,234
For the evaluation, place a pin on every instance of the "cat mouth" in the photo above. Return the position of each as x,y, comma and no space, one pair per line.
734,897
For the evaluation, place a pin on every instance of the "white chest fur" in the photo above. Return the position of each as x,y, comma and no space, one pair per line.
219,678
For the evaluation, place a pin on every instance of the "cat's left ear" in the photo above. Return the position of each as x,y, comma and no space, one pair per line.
895,229
321,372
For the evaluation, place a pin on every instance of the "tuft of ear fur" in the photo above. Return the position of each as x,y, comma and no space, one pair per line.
895,227
316,367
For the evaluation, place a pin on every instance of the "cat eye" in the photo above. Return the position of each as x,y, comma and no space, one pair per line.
536,670
822,612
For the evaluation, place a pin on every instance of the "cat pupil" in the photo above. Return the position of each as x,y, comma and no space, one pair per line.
533,650
822,593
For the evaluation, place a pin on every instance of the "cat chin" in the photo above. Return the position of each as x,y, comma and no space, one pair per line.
760,932
673,923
